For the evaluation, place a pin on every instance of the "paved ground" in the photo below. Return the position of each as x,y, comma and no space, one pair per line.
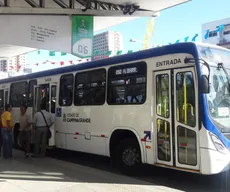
92,173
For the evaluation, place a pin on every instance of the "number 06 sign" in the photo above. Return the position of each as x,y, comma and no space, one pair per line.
82,36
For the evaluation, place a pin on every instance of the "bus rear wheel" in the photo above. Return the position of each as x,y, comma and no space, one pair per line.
128,157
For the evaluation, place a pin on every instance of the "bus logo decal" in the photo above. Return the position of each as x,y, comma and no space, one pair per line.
147,135
58,112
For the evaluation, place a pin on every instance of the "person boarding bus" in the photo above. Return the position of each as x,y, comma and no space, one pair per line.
43,120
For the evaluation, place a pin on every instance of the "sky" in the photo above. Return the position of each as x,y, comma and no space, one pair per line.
173,24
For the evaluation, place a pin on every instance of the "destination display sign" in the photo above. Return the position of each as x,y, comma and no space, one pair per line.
129,69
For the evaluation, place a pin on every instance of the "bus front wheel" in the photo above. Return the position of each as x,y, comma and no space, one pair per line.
128,157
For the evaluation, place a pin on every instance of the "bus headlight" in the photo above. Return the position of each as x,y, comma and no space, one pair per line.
218,144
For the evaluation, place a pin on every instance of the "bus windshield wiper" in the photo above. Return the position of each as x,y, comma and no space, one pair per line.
221,65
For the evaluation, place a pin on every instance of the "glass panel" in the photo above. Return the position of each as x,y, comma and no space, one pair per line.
66,90
44,94
162,95
53,98
90,88
32,83
163,140
127,84
18,93
38,99
187,153
1,98
185,98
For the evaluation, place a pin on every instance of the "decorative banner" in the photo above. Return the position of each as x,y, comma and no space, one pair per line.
186,39
52,53
82,36
63,54
119,52
194,38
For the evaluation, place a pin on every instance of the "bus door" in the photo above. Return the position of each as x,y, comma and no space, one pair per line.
6,96
176,122
46,93
52,109
3,98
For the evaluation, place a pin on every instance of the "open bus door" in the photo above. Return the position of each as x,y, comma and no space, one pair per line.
52,109
46,93
6,97
3,98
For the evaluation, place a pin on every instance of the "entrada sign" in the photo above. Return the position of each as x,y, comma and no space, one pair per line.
168,62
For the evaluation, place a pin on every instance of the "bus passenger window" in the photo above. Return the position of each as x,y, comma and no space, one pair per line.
1,99
18,93
30,101
90,88
127,84
185,98
66,90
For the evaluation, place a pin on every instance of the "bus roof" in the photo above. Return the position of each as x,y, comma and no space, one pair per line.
212,46
187,47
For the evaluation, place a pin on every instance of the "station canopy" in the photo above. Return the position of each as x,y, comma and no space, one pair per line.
107,13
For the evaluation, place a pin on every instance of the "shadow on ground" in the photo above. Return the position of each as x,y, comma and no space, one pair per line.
151,174
87,168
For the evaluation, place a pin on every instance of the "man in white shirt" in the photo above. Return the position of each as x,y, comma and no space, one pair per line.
42,122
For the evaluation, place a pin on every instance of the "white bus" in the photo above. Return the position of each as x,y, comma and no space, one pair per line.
167,106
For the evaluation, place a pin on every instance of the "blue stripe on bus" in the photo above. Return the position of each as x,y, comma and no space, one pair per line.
209,125
169,49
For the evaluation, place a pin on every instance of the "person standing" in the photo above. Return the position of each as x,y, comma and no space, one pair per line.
43,120
25,129
7,126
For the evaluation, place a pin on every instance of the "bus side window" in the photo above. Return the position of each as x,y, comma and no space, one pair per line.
2,99
127,84
90,88
18,93
30,98
66,90
185,96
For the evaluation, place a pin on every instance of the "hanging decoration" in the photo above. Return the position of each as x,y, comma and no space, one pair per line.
186,39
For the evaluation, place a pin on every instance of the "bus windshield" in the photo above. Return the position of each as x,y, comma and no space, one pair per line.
218,99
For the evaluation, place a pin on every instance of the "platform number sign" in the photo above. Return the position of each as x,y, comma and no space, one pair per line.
82,36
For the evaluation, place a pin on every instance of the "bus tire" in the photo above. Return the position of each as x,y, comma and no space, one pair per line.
128,157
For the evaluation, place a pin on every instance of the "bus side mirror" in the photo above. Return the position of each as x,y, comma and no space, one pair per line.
205,84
